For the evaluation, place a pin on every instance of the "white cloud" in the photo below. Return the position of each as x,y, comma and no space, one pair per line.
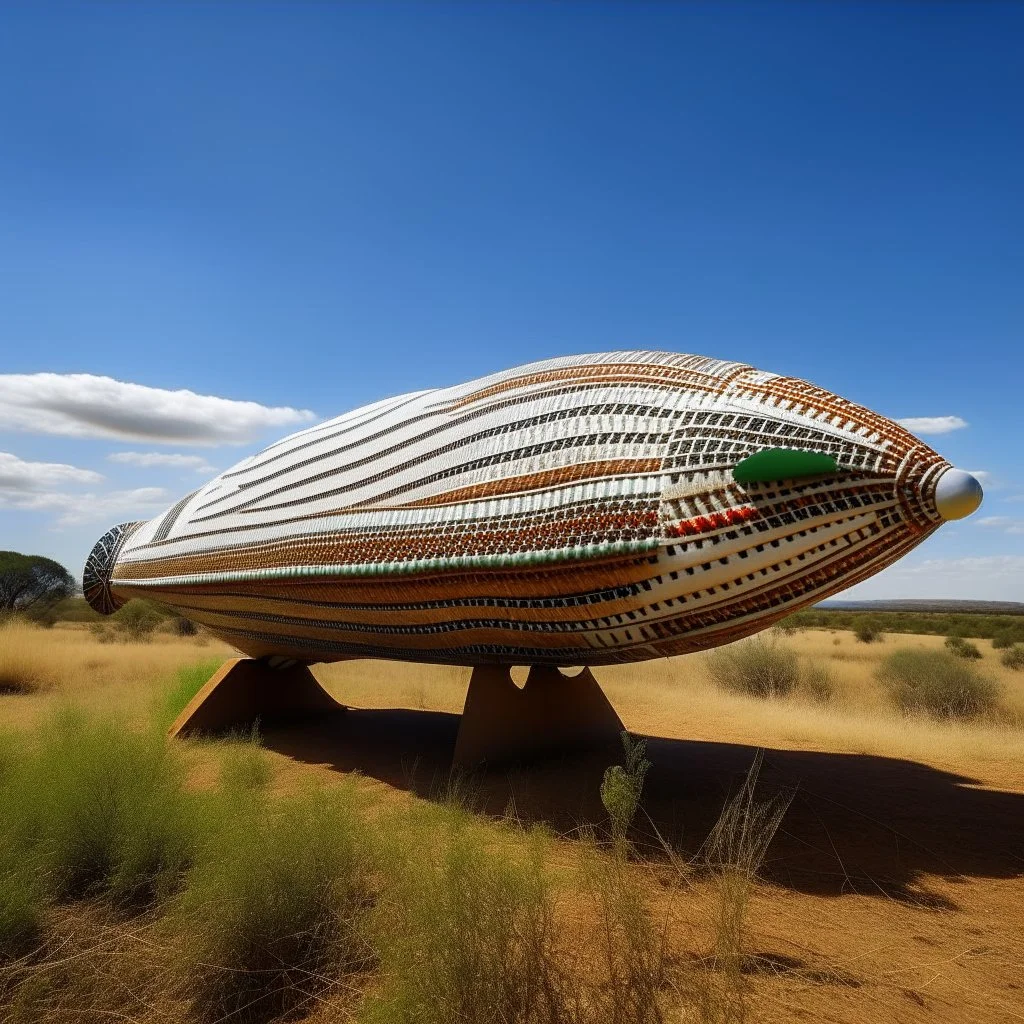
147,460
1004,523
932,424
19,477
84,405
115,506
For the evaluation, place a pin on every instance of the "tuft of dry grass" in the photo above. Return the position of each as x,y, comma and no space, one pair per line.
1013,657
636,978
469,936
69,664
762,667
735,849
27,661
271,918
93,807
939,684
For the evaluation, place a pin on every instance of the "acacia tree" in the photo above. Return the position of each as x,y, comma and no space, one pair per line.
32,582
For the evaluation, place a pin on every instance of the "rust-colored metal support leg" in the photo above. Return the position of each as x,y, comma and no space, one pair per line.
243,690
552,713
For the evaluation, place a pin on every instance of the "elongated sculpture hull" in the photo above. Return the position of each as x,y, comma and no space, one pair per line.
583,510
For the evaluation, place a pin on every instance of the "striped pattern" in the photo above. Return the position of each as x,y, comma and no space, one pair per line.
574,511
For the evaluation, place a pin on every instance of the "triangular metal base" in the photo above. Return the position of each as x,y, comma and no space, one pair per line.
243,691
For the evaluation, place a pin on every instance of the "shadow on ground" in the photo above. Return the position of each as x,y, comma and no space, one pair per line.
857,823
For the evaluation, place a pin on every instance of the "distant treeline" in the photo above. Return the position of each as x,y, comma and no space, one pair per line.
944,605
985,627
77,609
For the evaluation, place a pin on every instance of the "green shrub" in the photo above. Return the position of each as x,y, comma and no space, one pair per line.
21,912
100,809
1013,657
938,684
759,667
966,623
44,618
469,938
622,786
961,648
21,895
272,914
1001,641
136,620
867,631
244,765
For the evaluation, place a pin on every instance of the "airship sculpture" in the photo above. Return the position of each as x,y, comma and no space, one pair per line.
579,511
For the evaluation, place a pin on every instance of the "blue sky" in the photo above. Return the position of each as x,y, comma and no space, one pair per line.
309,207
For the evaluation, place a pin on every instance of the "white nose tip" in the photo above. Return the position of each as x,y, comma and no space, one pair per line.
957,494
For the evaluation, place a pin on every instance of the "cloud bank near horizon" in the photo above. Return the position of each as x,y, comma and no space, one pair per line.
85,405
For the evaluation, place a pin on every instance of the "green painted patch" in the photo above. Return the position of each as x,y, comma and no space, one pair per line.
782,464
186,683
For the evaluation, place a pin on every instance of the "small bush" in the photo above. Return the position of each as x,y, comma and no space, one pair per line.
1013,657
1001,641
622,786
759,667
21,913
44,618
21,896
181,626
867,631
100,631
470,939
244,766
100,809
136,620
961,648
272,915
937,683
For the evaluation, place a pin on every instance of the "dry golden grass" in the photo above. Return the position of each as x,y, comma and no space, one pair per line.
905,907
674,698
68,664
677,698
